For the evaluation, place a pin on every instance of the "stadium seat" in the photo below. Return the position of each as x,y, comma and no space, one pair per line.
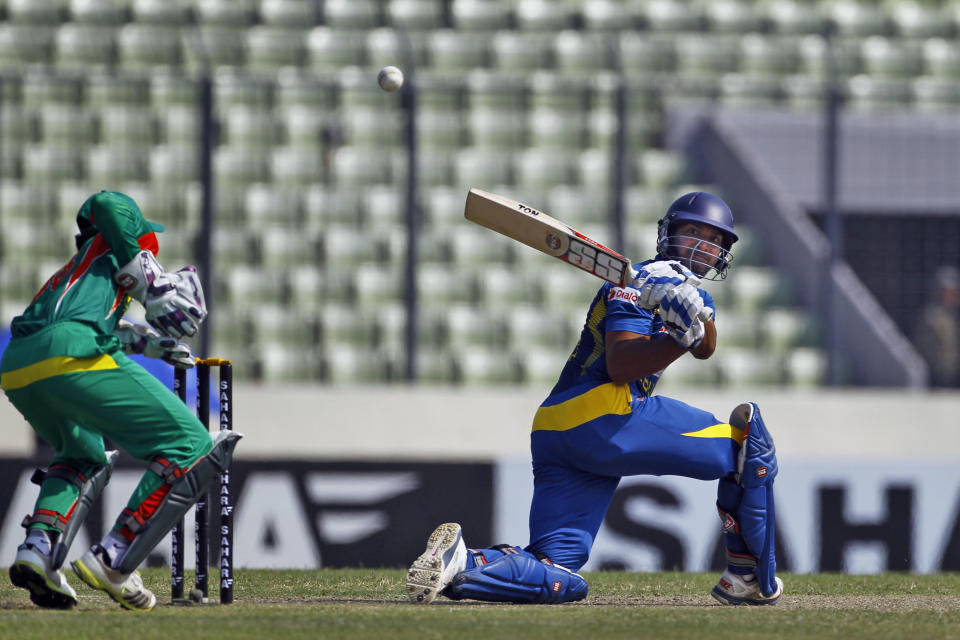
529,325
358,89
577,205
543,15
435,367
440,129
670,16
521,51
272,205
283,246
298,166
595,168
329,48
699,54
936,95
581,51
413,15
145,46
757,287
43,163
481,168
301,88
352,14
16,126
497,128
172,165
65,125
806,367
467,326
101,12
856,17
846,55
271,47
494,89
372,127
453,50
570,288
36,11
84,47
249,127
168,89
289,13
483,366
570,93
643,53
686,371
305,286
891,58
913,19
356,166
174,13
345,247
238,166
541,366
941,58
301,126
286,363
741,367
768,55
209,46
108,166
231,12
389,46
605,15
733,16
741,90
660,168
281,324
179,126
871,94
804,92
235,88
503,287
126,125
786,328
480,15
794,16
25,46
441,285
474,246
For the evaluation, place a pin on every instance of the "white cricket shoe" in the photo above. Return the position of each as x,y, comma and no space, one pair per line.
734,589
93,567
445,557
48,587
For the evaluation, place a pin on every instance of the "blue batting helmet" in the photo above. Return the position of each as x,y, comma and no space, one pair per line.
704,208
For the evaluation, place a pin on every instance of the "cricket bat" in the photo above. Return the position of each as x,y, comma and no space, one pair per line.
538,230
544,233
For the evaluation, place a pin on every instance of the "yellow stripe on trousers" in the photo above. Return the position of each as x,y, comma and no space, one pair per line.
54,367
604,400
718,431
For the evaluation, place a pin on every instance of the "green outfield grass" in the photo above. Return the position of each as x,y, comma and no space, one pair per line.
360,603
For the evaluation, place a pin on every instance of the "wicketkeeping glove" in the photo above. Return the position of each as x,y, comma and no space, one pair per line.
655,279
174,302
137,339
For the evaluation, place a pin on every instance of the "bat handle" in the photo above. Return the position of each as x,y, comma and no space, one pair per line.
706,314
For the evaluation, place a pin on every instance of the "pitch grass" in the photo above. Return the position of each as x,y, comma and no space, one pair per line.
364,603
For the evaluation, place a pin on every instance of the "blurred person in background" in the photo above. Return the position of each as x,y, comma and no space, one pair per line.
937,334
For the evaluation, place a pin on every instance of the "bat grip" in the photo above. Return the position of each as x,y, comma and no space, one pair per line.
706,314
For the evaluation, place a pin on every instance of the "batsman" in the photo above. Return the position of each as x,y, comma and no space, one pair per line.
66,370
602,421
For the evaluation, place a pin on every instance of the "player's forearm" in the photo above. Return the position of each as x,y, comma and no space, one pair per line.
709,343
629,360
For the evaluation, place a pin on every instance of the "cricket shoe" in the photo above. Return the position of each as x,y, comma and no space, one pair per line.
444,558
48,587
734,589
93,567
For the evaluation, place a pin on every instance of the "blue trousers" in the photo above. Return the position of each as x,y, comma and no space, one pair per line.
578,464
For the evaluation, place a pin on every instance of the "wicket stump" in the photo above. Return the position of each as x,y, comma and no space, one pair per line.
201,509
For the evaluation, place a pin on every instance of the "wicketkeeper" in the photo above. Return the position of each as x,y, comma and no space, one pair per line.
66,371
602,422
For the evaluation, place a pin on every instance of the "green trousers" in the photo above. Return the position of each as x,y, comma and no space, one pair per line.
72,403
